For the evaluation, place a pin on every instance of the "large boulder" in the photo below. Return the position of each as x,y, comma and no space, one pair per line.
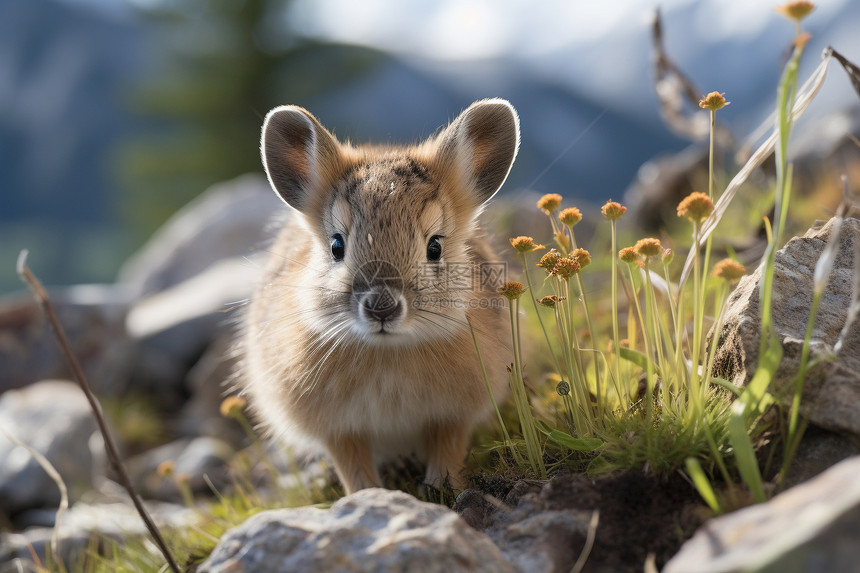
190,281
811,527
371,530
228,220
54,418
92,317
172,330
831,392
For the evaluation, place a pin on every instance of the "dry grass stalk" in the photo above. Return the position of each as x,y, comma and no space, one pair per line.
44,300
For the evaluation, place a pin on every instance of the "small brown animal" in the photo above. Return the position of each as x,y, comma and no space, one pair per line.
358,340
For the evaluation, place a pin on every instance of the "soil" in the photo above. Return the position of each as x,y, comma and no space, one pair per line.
639,515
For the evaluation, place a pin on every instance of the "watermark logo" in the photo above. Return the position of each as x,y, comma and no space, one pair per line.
458,276
378,285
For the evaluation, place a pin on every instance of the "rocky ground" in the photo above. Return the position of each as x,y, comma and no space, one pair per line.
163,331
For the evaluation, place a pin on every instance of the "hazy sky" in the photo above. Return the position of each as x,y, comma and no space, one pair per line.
600,47
465,29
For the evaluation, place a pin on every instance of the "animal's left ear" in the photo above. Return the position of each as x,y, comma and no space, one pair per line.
481,145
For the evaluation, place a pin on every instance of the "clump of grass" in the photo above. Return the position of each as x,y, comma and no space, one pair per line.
513,291
651,400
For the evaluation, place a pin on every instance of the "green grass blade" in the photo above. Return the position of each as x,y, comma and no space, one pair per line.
755,396
702,484
744,453
723,383
639,360
568,441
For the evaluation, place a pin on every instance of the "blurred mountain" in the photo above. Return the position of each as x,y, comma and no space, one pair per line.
63,69
570,144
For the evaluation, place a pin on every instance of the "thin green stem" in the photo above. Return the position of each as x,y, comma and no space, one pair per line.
527,423
577,375
719,312
802,370
675,327
695,384
584,302
649,372
711,157
575,384
651,316
576,353
532,295
715,450
616,341
508,443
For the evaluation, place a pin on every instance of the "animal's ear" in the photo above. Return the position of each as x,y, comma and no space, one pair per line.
481,145
298,153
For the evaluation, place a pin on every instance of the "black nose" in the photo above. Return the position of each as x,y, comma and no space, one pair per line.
381,305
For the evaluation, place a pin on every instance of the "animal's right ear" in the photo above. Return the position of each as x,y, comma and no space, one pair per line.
298,153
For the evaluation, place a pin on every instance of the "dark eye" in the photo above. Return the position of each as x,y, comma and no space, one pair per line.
434,248
338,247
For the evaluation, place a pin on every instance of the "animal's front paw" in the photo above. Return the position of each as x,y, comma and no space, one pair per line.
438,478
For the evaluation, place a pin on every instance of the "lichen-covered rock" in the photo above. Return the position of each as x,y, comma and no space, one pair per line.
831,393
370,530
811,527
54,418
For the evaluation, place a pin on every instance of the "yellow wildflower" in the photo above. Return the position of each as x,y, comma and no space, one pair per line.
796,10
728,270
525,244
570,216
714,101
648,247
696,207
549,203
511,290
613,210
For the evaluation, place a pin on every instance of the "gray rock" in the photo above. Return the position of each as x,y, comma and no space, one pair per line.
818,450
541,543
536,529
831,393
92,317
370,530
199,458
54,418
209,382
812,527
188,279
172,329
110,520
226,221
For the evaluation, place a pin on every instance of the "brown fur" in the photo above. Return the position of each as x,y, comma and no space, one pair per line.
315,368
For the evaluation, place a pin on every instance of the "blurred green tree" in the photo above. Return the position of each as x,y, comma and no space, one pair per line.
219,66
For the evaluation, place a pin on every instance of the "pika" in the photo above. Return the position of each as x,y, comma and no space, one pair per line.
358,341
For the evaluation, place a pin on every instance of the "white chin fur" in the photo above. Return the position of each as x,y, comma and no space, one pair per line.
397,334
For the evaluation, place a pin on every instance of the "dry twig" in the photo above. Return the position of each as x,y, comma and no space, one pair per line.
44,300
